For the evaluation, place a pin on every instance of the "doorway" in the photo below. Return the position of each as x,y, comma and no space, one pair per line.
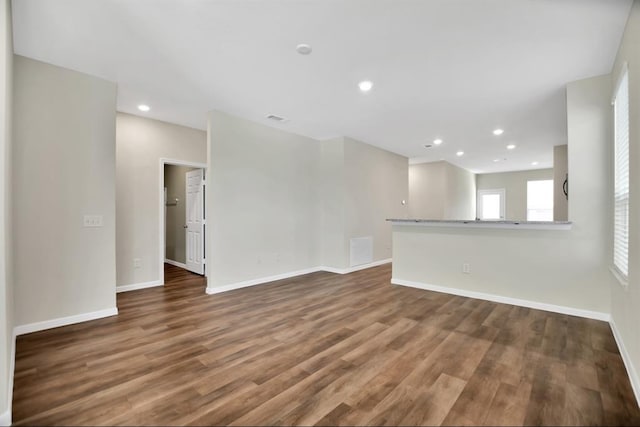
491,205
183,223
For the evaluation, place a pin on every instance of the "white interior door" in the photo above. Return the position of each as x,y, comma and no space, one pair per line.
195,224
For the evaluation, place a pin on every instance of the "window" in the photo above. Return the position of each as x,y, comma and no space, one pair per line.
621,181
540,200
491,205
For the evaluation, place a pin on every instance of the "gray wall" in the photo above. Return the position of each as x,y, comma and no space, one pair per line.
625,308
140,144
515,185
63,169
560,171
175,239
6,281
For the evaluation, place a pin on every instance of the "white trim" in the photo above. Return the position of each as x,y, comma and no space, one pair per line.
626,358
354,268
515,225
136,286
176,263
5,418
161,221
621,278
261,280
597,315
63,321
624,69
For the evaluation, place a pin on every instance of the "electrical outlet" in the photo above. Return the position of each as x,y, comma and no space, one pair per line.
466,269
137,263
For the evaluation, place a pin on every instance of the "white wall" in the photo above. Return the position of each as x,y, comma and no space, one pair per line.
563,268
440,190
63,168
376,183
140,144
261,201
331,183
515,185
6,282
625,307
427,192
460,190
280,203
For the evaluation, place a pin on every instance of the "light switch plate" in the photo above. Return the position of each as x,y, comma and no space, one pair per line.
93,220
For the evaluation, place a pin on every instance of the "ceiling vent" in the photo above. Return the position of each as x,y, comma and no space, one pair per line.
276,118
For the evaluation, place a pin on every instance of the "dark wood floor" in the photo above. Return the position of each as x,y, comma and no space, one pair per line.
321,349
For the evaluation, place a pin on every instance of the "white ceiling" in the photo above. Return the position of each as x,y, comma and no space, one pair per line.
453,69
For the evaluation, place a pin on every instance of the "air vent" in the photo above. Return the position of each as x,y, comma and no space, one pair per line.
276,118
428,145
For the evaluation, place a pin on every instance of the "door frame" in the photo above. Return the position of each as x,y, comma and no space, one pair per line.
162,219
503,202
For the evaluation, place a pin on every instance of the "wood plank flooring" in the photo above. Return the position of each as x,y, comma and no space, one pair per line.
321,349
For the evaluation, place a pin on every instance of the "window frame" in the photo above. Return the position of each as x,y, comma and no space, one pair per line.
621,276
527,208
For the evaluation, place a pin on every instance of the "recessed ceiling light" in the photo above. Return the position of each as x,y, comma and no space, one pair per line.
144,107
304,49
460,153
437,141
498,132
365,86
496,160
534,163
511,146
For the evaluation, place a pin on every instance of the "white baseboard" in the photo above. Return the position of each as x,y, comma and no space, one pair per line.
136,286
176,263
354,268
628,363
253,282
63,321
259,281
5,418
597,315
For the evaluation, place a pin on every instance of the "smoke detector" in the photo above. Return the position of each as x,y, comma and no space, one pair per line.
303,49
